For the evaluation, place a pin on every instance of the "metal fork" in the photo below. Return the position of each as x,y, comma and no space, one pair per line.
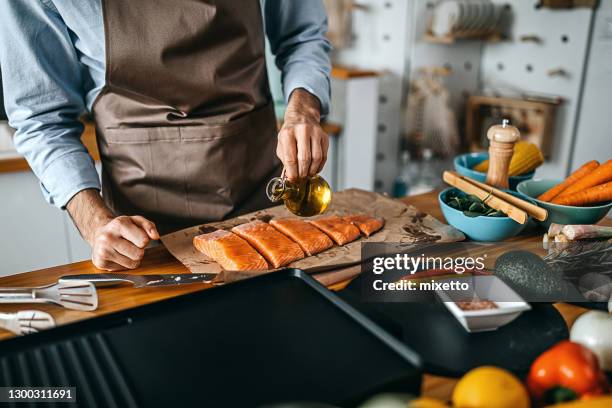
75,295
26,321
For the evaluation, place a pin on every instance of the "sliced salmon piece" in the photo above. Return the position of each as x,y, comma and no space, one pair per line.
309,238
274,246
230,251
342,232
366,224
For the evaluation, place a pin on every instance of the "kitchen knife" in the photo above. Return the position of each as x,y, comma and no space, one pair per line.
141,281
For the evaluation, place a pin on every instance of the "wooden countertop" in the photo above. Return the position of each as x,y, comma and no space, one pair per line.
159,261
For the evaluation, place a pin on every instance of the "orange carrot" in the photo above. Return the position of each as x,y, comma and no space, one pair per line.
600,175
574,177
597,194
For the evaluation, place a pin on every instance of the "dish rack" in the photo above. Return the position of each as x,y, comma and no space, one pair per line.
453,20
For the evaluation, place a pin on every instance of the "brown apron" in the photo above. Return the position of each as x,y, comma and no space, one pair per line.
185,123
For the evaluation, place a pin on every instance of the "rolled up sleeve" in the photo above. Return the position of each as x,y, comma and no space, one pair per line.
43,91
296,32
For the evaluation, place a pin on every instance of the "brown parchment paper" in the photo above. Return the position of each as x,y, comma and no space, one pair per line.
403,224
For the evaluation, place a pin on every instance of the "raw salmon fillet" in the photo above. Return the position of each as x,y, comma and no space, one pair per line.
342,232
230,251
274,246
309,238
366,224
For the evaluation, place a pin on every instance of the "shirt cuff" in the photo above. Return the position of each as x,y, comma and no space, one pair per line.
66,176
318,85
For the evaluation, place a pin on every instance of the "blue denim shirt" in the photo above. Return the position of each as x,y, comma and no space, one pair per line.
52,59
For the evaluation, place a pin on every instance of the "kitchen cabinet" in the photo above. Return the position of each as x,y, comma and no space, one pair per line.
352,157
34,234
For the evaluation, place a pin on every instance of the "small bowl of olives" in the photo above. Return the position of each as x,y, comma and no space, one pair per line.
475,219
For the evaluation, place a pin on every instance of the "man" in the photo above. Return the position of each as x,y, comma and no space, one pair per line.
179,93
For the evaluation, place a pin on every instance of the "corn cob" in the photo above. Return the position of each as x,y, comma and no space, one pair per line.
527,157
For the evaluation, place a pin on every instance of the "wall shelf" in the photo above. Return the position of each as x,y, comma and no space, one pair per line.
465,36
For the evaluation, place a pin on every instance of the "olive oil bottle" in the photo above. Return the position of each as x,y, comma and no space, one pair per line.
304,197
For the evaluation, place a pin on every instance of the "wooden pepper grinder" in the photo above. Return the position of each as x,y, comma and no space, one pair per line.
501,148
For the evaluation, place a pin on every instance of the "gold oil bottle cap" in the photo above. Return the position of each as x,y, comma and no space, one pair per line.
504,133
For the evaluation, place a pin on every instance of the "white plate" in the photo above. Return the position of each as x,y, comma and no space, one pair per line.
474,15
509,304
445,18
481,20
465,15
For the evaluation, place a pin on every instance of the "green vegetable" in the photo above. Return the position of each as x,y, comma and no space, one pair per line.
470,205
531,277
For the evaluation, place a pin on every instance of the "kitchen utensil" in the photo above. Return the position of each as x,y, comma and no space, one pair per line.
141,281
487,197
464,164
561,214
489,229
26,321
75,295
133,357
501,148
533,210
444,346
509,304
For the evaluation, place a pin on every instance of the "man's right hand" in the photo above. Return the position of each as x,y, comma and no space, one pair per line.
117,242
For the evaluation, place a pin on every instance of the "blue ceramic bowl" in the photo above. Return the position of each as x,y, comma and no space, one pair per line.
464,163
561,214
482,228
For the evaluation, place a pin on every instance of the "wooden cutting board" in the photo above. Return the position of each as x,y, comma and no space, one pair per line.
403,224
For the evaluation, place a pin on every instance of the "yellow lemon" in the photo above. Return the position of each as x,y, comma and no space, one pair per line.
490,387
425,402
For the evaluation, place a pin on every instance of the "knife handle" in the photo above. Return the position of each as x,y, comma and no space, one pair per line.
190,277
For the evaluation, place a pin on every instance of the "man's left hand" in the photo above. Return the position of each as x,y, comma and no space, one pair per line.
302,143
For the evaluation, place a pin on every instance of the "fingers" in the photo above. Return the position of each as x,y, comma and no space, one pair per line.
324,149
127,229
106,258
124,261
304,154
120,243
287,153
107,265
303,150
128,250
146,225
319,144
316,156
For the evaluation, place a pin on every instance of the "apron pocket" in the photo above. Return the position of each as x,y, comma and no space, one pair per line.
199,173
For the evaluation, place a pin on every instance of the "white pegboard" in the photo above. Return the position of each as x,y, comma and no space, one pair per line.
388,38
515,66
463,58
381,38
593,139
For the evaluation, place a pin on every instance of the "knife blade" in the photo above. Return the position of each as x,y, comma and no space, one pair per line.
141,281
